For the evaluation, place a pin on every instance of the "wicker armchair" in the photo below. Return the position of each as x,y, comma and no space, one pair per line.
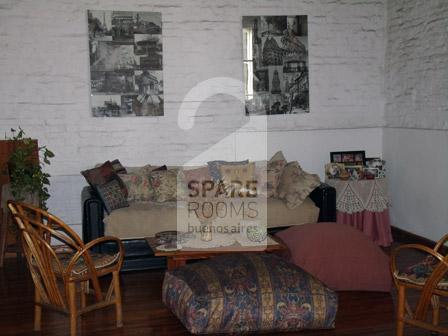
60,271
430,277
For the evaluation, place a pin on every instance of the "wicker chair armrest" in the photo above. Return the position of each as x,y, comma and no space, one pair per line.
102,240
84,252
441,242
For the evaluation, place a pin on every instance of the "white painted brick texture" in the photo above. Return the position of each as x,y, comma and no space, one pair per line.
44,85
417,64
415,142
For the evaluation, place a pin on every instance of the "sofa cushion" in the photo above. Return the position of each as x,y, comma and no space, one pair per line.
144,170
147,218
248,292
111,195
118,167
278,156
213,167
140,220
160,168
339,255
139,187
237,177
197,174
279,215
296,184
164,183
103,174
100,175
274,171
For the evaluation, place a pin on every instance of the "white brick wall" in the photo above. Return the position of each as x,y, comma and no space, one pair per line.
417,71
415,142
44,84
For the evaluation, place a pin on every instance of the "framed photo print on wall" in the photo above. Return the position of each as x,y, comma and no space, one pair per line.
126,68
275,58
349,158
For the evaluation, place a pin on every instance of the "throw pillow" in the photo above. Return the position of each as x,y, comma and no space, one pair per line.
278,156
262,179
111,195
296,184
164,183
238,179
199,183
161,168
139,187
198,174
100,175
248,293
339,255
103,174
145,170
213,167
274,171
118,167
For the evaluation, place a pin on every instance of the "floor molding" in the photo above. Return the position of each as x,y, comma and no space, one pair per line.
403,236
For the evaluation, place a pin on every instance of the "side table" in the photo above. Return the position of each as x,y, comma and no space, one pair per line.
364,204
3,232
5,222
12,242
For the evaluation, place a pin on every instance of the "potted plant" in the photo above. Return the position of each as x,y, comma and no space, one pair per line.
25,166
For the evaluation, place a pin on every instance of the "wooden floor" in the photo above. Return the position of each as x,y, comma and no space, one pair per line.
360,313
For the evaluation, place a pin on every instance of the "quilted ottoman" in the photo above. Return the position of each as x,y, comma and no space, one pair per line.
241,293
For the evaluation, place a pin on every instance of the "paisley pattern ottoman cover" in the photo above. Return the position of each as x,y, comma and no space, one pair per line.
241,293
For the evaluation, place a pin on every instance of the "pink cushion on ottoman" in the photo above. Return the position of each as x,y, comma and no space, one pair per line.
340,256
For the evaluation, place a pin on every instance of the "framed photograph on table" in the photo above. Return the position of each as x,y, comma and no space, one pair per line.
348,158
355,172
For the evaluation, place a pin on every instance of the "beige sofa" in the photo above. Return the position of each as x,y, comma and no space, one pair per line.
144,219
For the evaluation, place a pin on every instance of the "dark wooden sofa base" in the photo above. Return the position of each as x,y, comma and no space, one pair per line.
139,256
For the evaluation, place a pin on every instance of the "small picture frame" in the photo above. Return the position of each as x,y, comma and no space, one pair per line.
374,162
334,170
370,173
355,172
348,158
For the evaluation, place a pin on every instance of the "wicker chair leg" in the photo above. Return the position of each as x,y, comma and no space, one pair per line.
72,308
84,292
401,310
37,311
435,302
435,310
117,292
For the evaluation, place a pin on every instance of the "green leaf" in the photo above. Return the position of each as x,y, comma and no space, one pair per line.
25,174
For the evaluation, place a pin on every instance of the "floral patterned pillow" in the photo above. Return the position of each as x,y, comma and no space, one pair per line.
142,170
274,171
200,174
111,195
164,184
262,179
103,174
213,167
238,179
138,186
296,184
